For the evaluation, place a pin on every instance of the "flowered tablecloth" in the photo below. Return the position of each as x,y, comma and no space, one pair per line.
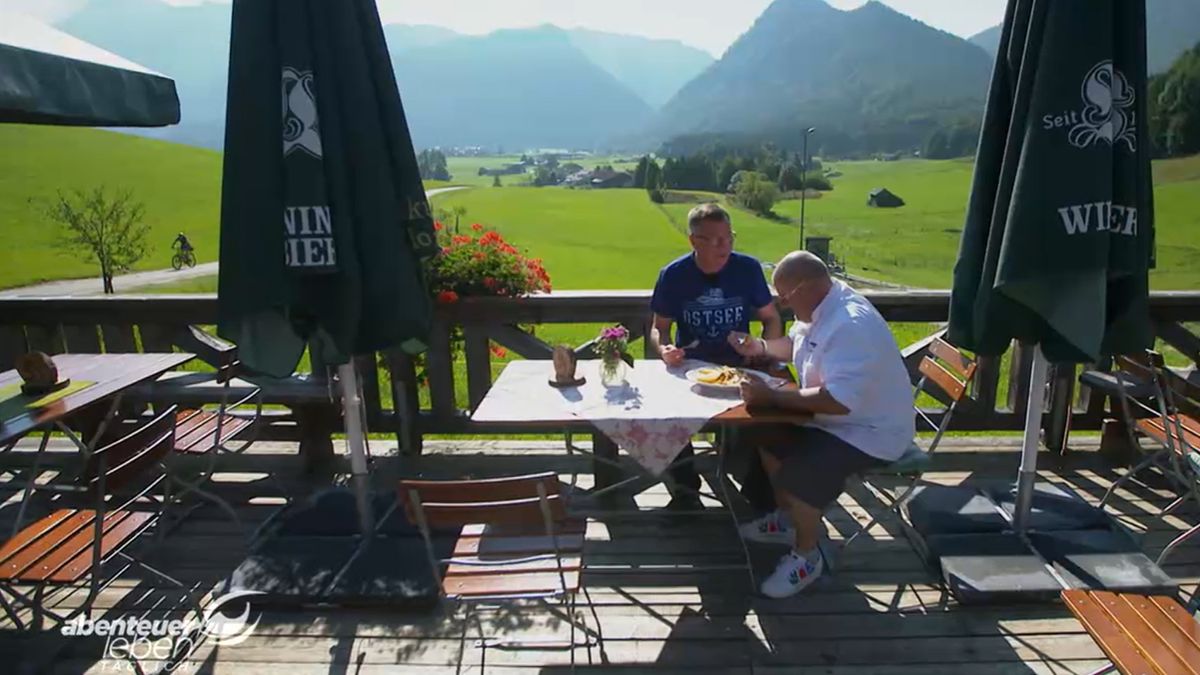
652,418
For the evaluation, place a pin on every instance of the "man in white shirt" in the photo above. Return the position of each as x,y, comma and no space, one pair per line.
854,384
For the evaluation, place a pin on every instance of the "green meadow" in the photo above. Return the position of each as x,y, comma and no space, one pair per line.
179,185
588,239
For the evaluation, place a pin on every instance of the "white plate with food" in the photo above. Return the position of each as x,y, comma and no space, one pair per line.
723,378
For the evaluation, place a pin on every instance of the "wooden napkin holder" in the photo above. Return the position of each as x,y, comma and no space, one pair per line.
39,373
565,362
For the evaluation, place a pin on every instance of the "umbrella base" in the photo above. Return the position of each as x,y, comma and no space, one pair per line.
312,554
966,535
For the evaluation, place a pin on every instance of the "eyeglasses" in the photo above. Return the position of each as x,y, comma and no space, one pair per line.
715,241
783,297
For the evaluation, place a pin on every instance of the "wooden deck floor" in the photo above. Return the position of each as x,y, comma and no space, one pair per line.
665,592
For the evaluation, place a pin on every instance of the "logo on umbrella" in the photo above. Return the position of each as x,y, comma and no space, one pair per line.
1108,109
300,113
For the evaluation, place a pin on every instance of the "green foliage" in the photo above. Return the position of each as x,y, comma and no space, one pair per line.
103,229
818,182
432,165
690,173
956,139
544,175
756,192
639,173
1174,107
496,181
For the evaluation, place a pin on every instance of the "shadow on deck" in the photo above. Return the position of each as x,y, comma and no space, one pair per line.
664,593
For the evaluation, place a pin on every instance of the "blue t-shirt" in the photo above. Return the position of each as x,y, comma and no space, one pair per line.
707,307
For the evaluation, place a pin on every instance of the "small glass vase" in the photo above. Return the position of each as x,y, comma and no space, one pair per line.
613,372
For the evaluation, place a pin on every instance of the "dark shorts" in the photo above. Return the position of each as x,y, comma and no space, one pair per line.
815,463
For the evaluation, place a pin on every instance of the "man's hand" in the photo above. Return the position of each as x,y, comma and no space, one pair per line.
746,345
755,392
672,355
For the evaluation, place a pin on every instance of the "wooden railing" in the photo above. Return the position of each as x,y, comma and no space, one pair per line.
126,323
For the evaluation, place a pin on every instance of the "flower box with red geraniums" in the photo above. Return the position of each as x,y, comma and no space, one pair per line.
480,264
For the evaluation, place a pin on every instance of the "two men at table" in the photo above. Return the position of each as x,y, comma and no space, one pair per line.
709,294
853,382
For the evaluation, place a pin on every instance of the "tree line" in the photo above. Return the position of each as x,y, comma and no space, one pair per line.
755,177
432,165
1174,107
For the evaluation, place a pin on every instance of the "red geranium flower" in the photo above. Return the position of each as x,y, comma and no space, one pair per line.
447,297
437,225
477,227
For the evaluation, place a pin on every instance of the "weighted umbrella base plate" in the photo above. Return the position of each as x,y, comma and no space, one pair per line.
992,567
311,554
981,559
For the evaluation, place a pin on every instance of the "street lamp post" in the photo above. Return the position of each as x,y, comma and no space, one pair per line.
804,182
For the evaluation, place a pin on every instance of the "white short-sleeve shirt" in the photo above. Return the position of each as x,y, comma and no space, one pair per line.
849,350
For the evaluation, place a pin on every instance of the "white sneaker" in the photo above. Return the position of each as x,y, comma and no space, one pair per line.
773,528
794,573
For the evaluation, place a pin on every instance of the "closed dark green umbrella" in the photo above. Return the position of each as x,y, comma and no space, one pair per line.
50,77
324,219
1059,232
323,216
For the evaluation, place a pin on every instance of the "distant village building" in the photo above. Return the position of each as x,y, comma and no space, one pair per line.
506,170
884,199
606,178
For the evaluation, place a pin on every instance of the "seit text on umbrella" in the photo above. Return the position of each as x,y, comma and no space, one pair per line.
1107,115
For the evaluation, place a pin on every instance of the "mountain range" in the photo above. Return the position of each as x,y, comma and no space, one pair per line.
535,87
869,77
1172,27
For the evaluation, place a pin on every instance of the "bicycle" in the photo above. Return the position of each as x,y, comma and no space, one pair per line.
182,258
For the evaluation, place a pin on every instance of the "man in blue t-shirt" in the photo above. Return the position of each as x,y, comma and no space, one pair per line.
709,293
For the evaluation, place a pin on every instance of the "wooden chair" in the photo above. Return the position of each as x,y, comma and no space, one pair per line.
208,432
1140,634
515,543
119,496
1141,401
949,383
1179,432
1172,421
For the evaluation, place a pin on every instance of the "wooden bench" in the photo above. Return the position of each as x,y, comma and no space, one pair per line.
1140,634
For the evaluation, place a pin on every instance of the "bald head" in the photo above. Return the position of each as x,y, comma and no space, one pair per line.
799,266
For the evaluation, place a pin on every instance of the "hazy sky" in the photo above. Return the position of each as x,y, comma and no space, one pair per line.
711,25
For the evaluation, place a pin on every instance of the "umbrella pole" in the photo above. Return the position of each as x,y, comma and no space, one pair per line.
1029,447
355,434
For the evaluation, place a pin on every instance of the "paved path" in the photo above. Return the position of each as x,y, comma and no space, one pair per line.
134,280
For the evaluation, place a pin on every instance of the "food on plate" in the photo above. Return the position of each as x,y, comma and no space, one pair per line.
723,376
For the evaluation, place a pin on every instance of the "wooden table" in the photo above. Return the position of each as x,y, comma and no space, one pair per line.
544,407
112,374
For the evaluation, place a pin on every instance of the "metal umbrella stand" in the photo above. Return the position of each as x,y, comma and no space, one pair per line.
1055,253
324,226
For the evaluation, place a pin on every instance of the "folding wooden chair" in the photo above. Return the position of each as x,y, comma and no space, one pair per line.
515,543
1178,430
1140,634
209,432
1156,417
949,383
119,496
